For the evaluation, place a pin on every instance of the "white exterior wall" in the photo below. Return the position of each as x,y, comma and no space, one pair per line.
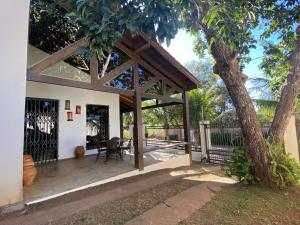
13,55
73,133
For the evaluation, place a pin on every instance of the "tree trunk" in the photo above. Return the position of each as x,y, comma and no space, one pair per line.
288,99
254,141
227,66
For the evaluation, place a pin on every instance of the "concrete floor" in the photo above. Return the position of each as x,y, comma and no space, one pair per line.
68,174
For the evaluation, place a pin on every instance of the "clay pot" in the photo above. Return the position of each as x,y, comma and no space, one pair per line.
29,171
79,152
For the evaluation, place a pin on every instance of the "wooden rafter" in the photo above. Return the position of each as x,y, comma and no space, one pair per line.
76,84
162,70
170,58
165,99
149,84
114,73
58,56
147,66
160,105
143,48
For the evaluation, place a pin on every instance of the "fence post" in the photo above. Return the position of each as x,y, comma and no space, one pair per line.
205,138
291,139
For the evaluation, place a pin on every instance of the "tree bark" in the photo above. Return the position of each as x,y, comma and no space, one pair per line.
288,99
228,68
253,137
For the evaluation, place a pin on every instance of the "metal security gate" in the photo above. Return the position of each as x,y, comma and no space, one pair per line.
41,129
222,139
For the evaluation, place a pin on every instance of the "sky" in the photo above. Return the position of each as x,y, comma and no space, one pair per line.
181,48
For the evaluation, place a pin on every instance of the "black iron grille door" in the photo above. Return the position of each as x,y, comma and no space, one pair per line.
41,129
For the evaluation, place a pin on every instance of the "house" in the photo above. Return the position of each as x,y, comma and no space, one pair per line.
48,106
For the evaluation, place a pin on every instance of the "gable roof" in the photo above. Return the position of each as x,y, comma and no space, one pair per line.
162,60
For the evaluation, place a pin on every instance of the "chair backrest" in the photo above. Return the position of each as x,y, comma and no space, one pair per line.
113,143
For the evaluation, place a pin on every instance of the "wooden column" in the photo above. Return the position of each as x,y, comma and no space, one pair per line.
121,125
186,124
138,123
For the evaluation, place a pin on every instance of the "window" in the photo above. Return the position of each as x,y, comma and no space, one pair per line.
97,128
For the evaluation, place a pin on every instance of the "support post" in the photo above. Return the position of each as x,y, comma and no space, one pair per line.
205,139
138,123
121,125
186,124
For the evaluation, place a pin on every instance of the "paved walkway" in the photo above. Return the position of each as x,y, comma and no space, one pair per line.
179,207
173,209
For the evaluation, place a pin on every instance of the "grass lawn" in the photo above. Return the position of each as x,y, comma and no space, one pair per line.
249,205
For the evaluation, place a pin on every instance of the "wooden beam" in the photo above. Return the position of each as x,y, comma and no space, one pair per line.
138,123
149,84
115,90
186,124
147,66
57,81
160,97
162,70
94,66
58,56
160,105
143,48
171,59
115,73
76,84
121,125
164,89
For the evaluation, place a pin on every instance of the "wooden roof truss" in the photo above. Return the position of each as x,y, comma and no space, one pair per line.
99,83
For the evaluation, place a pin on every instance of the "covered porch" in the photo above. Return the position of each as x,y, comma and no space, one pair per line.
138,70
70,175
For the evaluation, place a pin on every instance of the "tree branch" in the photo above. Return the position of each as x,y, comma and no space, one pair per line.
289,94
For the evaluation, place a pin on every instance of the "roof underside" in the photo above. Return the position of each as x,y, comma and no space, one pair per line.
159,56
162,61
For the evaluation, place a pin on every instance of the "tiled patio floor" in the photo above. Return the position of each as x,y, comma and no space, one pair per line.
68,174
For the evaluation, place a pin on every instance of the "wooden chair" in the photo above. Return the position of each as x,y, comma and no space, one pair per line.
113,147
102,147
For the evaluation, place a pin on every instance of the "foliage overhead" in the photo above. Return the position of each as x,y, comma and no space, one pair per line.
233,22
105,22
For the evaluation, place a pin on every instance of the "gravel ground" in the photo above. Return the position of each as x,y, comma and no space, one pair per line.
121,211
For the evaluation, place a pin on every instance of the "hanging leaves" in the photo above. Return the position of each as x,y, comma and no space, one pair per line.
105,22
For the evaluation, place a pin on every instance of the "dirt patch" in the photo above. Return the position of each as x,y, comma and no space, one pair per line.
239,205
121,211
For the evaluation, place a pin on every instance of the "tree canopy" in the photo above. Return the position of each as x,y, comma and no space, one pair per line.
105,22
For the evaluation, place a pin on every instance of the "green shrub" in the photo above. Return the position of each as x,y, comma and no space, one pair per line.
284,168
240,166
